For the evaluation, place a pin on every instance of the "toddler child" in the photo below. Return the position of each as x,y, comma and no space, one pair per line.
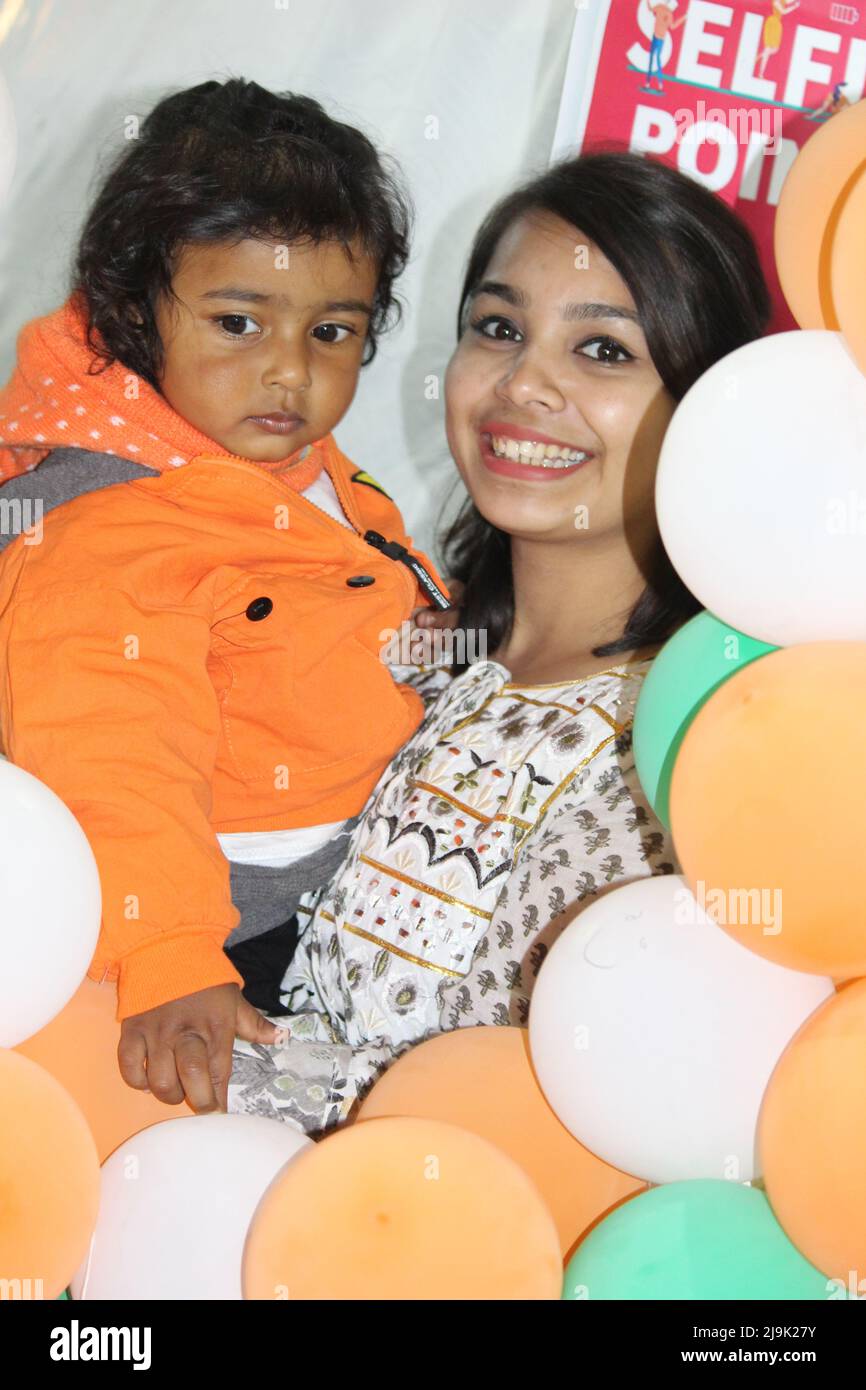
190,638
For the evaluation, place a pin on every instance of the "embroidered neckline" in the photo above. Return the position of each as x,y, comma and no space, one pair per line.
622,670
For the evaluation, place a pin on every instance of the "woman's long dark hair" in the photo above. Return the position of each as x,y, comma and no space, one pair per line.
694,274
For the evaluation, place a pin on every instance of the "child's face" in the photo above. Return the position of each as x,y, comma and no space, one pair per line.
259,331
553,358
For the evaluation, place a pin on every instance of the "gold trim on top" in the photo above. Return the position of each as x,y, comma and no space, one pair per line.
461,806
550,685
609,719
581,680
545,806
516,820
427,888
398,951
452,800
555,704
549,704
471,717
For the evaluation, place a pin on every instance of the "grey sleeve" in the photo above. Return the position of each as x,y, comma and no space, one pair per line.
63,475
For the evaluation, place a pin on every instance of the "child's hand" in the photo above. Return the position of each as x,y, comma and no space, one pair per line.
187,1046
436,617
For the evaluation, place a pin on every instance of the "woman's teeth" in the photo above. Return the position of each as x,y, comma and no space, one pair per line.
540,455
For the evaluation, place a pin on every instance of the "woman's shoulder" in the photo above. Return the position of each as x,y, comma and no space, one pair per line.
488,686
482,703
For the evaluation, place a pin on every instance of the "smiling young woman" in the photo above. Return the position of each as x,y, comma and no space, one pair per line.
593,298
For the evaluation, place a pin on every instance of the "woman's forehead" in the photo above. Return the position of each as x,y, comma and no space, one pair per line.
542,254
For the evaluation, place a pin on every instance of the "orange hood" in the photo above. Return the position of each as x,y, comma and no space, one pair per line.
53,401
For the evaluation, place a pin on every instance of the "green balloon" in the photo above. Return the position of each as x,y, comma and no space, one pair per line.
65,1294
688,669
701,1239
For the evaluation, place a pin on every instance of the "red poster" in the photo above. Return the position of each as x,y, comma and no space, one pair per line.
728,93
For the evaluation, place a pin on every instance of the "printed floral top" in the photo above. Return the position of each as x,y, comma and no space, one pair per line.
509,810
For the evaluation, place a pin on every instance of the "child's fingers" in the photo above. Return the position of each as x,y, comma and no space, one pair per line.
250,1025
193,1064
253,1026
436,617
220,1058
162,1074
131,1058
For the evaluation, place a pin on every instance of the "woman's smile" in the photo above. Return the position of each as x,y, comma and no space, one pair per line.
518,452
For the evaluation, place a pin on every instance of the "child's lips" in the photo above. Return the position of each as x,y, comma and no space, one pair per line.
278,423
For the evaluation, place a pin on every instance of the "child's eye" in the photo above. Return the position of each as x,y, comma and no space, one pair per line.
235,319
610,352
500,329
333,332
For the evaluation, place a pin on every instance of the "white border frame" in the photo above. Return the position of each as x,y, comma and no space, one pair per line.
590,22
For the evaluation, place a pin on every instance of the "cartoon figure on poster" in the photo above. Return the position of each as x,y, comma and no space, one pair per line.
834,101
663,24
772,35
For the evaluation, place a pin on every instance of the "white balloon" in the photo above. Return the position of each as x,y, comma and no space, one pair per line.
653,1033
175,1205
50,904
761,489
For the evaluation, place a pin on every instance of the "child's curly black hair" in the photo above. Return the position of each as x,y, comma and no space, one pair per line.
221,162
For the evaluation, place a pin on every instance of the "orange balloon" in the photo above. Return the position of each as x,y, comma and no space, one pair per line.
79,1048
49,1180
482,1079
767,808
812,199
812,1137
402,1209
846,269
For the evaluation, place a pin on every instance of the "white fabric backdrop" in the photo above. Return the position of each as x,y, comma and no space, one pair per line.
490,71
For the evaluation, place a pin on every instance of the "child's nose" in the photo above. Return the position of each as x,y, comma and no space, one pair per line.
289,367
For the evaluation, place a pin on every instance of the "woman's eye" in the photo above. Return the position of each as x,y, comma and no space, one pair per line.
501,330
332,332
610,352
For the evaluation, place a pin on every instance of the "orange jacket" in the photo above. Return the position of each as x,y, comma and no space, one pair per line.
184,655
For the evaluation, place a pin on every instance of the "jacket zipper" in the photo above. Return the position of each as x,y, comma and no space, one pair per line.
395,551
